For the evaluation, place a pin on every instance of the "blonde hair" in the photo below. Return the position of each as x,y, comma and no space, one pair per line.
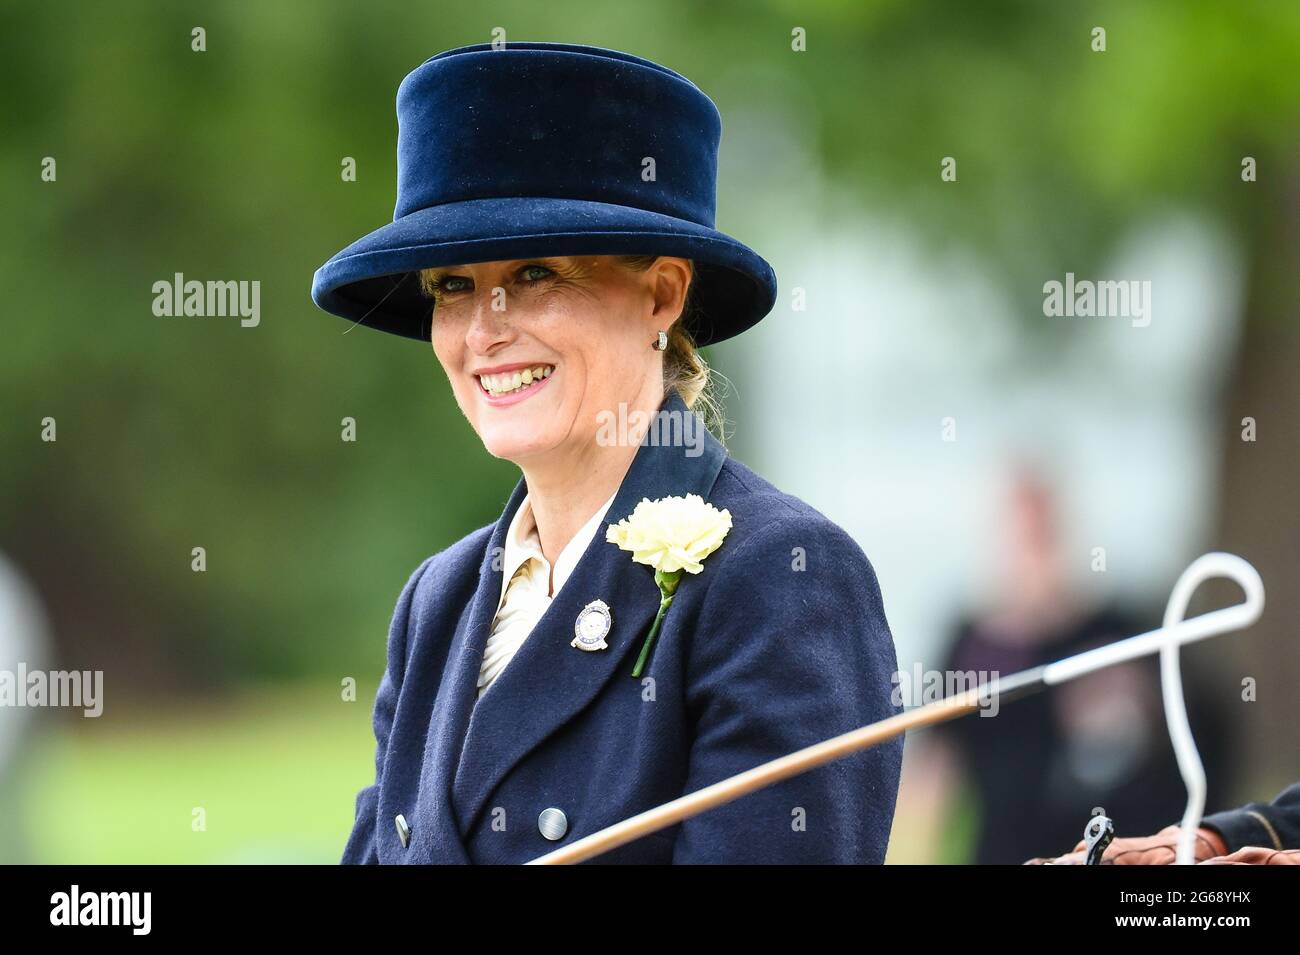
684,367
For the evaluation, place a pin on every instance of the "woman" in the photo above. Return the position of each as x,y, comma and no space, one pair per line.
584,659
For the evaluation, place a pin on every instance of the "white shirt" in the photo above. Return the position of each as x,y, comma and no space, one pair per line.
525,580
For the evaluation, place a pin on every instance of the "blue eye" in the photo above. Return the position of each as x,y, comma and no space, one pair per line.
455,284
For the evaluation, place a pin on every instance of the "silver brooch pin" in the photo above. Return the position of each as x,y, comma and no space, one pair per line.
591,627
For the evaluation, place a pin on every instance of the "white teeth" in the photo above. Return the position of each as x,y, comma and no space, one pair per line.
510,381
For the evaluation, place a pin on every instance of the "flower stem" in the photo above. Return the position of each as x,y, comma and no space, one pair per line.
664,604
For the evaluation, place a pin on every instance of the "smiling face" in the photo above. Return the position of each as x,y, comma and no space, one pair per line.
536,349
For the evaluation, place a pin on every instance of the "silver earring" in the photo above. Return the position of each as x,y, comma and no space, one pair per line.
661,343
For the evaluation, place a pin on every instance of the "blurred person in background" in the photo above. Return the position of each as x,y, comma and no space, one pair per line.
22,640
1038,767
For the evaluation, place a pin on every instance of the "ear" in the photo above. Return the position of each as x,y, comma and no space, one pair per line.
670,280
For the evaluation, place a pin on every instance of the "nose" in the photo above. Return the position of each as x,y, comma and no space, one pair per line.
489,328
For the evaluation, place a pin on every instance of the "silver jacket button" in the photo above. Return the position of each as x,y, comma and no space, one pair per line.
552,824
403,830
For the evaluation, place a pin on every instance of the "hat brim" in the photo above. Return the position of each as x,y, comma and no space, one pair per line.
372,280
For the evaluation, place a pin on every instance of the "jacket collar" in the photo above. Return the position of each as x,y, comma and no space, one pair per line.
548,682
521,545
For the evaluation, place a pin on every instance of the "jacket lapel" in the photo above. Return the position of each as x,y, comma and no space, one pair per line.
455,699
548,681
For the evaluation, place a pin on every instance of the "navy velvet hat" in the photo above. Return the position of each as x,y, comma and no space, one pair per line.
542,149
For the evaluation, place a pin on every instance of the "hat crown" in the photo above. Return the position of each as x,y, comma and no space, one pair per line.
554,120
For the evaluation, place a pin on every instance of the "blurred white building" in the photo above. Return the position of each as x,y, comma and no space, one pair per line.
844,405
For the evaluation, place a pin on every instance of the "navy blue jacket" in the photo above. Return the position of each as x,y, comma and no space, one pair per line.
1275,824
780,642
